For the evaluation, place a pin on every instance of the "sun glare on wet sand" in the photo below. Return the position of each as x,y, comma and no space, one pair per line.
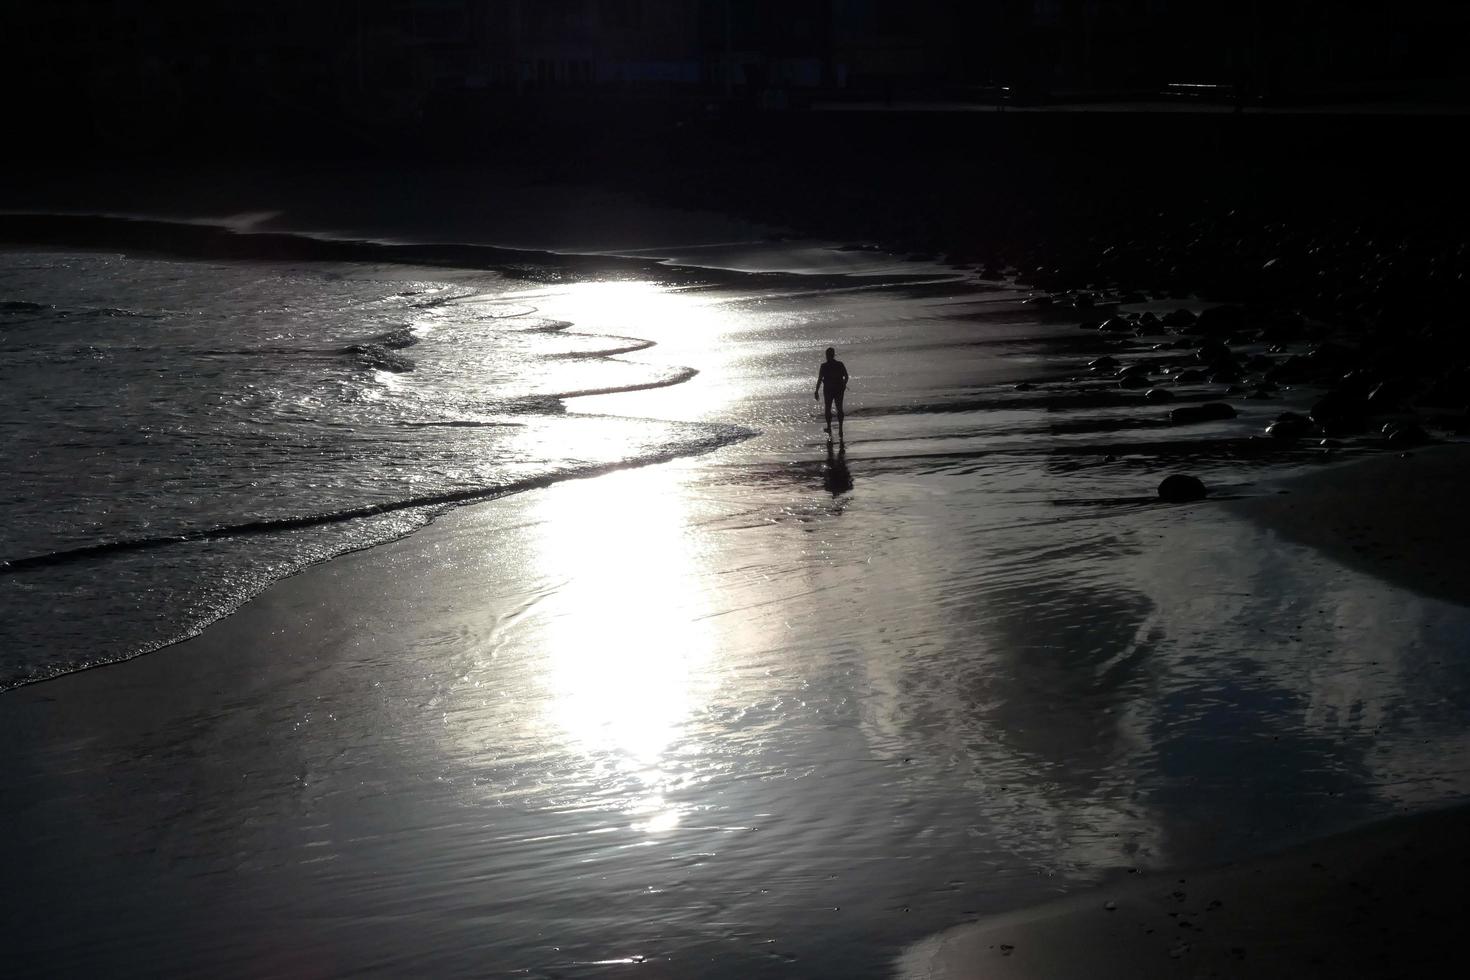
628,648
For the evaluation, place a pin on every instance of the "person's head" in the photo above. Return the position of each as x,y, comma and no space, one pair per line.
831,354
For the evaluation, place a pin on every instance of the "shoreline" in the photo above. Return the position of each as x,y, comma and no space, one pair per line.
368,694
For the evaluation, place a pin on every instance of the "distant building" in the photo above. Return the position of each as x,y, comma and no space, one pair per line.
106,65
1250,48
559,44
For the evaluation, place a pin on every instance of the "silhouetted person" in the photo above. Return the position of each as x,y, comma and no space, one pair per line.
832,376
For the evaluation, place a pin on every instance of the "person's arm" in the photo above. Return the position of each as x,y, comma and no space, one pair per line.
844,375
817,391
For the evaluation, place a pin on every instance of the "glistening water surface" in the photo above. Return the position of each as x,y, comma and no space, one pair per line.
188,432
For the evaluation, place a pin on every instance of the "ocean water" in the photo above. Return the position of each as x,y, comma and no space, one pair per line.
179,433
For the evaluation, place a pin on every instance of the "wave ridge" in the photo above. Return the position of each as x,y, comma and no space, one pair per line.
729,435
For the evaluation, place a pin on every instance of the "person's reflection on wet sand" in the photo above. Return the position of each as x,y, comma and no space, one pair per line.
836,477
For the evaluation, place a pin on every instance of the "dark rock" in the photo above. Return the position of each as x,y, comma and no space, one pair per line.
1452,390
1025,386
1387,397
1208,412
397,339
1357,384
1458,424
1179,318
1284,326
1116,324
1327,358
1289,425
1157,395
1296,368
1212,352
380,358
1404,434
1180,488
1219,320
1103,363
1132,381
1139,369
1339,413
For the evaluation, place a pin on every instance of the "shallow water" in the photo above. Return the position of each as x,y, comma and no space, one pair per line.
191,431
779,709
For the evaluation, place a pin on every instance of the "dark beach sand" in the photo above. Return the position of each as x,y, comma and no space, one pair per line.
1400,516
1381,902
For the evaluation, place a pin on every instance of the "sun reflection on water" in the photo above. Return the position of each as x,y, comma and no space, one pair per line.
690,328
628,650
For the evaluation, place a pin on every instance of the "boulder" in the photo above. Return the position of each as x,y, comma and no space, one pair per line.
1157,395
1181,488
1399,434
1220,320
377,357
1289,425
1296,368
1212,352
1179,318
1339,412
1208,412
1387,397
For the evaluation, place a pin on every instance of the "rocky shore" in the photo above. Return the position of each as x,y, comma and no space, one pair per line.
1312,260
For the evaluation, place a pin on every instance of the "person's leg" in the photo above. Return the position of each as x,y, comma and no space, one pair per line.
840,416
827,407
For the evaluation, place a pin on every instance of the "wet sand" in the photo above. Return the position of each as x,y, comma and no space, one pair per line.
1380,902
1398,516
784,709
